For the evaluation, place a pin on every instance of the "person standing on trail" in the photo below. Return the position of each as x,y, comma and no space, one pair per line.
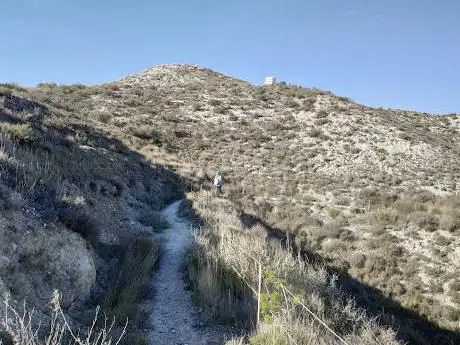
218,182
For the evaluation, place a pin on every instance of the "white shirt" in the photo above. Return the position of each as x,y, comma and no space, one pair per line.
217,180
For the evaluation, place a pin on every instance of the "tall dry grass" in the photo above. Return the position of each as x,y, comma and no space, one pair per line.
124,298
18,328
224,266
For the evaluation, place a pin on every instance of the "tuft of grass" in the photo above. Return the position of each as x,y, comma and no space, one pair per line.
292,103
315,132
274,336
103,117
144,132
222,110
334,213
17,328
153,219
23,133
219,291
215,102
197,107
322,114
308,104
135,270
321,122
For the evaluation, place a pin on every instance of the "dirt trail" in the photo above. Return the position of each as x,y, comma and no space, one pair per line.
175,319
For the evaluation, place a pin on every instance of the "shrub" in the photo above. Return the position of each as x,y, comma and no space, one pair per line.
322,114
197,107
334,213
451,314
147,133
233,117
426,221
10,199
450,222
154,219
320,122
12,86
292,103
215,102
358,260
20,132
308,104
344,99
74,214
424,197
315,132
222,110
103,117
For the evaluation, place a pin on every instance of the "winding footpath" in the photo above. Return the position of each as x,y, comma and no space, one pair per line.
175,319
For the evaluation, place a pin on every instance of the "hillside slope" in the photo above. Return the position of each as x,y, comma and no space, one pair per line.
374,192
74,203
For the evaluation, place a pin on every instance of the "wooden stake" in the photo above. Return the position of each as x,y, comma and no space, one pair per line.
258,295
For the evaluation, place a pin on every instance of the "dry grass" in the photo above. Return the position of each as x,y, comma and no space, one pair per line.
134,277
20,132
343,180
18,328
224,247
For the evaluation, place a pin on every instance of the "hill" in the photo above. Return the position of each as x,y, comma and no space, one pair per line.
371,193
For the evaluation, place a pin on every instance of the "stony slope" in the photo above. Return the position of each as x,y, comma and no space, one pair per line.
373,191
332,135
71,200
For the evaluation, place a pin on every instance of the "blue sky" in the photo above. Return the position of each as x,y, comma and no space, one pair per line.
401,54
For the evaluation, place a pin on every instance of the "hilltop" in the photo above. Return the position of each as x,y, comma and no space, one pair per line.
372,192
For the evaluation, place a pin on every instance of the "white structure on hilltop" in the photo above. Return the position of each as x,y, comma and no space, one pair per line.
271,80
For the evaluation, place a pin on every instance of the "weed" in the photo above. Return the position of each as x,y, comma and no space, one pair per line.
315,132
153,219
135,270
20,132
18,328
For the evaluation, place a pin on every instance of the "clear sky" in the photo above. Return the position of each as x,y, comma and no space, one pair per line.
391,53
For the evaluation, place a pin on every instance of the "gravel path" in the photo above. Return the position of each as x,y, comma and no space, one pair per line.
175,319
